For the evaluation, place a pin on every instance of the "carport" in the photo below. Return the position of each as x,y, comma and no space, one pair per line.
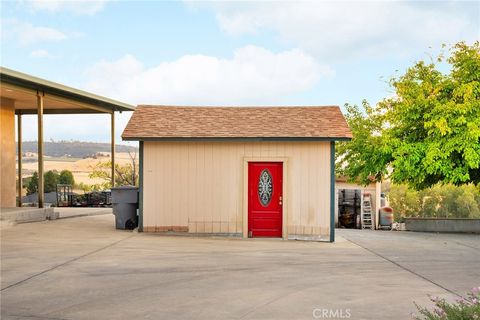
23,94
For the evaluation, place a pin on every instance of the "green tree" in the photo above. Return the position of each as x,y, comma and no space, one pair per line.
428,132
441,200
431,201
50,181
32,185
466,204
367,155
404,201
448,195
124,175
66,177
86,187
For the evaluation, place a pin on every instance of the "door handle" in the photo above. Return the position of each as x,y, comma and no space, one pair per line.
280,200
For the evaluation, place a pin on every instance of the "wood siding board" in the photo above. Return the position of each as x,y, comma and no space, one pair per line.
164,178
312,202
188,193
243,149
149,187
224,176
170,213
208,187
172,188
194,213
301,187
318,195
216,183
183,192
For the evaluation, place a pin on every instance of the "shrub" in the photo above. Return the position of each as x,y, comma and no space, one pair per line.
404,201
442,201
32,184
465,308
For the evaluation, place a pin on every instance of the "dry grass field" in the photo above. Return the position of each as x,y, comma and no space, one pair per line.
80,168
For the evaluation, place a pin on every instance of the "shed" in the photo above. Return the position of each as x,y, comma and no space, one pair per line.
350,198
238,171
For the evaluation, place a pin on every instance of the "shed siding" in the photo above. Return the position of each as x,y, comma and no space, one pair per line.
198,186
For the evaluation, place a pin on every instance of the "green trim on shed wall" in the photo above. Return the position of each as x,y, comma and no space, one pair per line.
140,196
332,191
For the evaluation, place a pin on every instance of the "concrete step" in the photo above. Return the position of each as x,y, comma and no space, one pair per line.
25,214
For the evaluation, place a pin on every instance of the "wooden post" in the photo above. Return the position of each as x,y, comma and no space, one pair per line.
19,137
40,150
113,146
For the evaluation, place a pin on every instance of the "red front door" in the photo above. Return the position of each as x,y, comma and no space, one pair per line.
265,199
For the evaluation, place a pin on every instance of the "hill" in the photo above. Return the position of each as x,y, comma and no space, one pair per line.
74,149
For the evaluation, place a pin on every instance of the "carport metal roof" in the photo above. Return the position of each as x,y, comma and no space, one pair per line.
57,98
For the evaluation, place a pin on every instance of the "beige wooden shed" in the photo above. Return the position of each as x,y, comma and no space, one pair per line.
238,171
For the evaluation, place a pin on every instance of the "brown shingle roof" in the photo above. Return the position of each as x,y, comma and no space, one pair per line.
169,122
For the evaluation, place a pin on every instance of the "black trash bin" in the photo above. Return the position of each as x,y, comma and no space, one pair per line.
125,205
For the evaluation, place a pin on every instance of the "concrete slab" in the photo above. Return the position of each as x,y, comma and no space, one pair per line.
27,214
85,269
450,260
68,212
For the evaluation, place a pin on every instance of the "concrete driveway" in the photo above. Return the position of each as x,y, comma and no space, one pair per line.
82,268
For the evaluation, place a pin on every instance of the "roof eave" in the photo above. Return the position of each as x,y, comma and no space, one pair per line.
236,138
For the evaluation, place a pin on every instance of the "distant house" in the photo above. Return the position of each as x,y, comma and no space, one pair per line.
248,171
350,202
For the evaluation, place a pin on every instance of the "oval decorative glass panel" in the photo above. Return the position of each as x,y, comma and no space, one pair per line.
265,187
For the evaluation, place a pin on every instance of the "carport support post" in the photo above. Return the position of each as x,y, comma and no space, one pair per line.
113,146
19,151
40,149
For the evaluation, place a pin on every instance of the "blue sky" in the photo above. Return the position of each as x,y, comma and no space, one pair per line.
223,53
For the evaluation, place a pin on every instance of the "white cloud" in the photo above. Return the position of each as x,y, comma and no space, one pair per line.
338,29
253,75
89,7
40,53
26,33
